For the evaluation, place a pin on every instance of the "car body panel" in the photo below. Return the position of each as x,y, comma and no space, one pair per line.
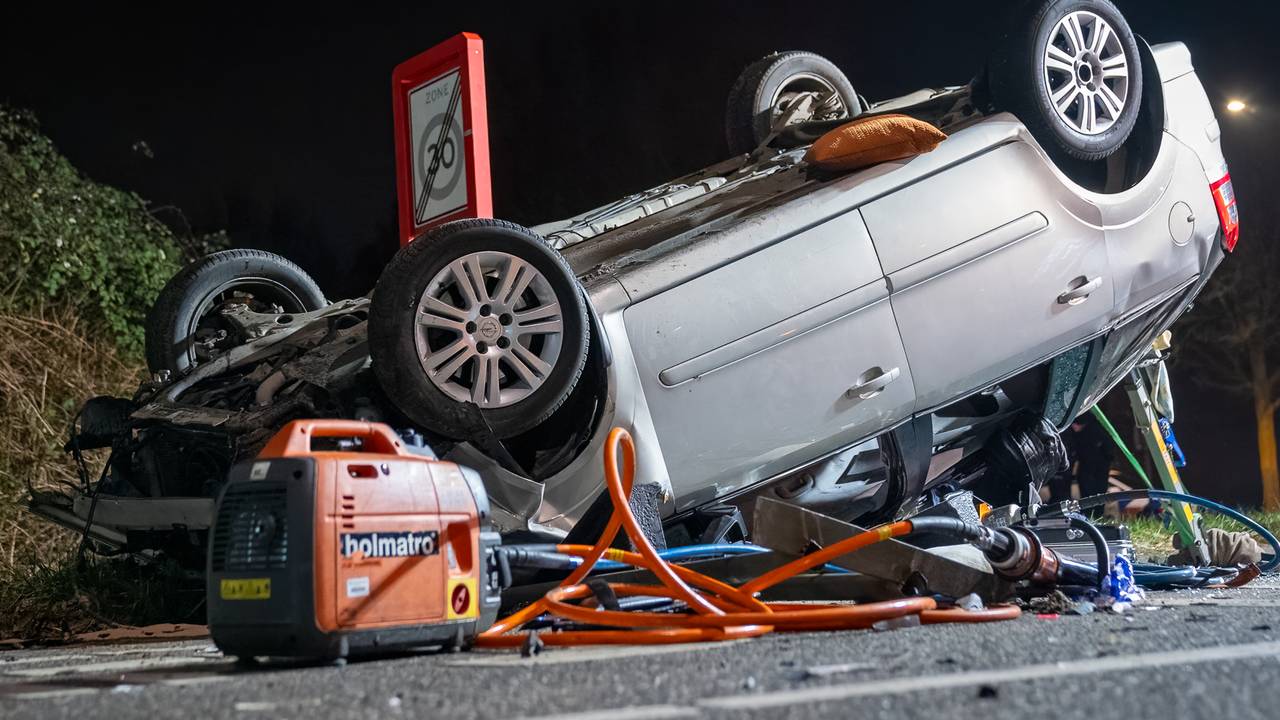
569,493
783,406
977,279
1160,237
664,250
785,279
1189,114
753,380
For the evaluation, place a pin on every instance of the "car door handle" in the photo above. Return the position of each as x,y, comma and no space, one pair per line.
1080,293
874,385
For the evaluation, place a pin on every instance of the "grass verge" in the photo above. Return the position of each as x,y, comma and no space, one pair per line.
1153,540
49,364
50,601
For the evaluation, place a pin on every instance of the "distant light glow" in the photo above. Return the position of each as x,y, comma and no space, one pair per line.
1236,106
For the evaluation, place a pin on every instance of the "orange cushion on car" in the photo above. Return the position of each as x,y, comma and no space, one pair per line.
865,142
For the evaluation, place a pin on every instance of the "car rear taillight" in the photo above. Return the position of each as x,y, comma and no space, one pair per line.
1224,198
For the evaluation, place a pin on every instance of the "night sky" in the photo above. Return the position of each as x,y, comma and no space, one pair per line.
275,123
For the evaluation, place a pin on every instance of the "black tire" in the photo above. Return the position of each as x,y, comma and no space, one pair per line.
393,317
1020,84
188,302
751,106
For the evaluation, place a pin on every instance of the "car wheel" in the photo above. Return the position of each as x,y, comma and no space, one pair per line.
478,315
1071,72
766,87
185,326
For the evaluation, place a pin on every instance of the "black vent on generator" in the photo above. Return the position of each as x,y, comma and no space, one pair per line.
252,529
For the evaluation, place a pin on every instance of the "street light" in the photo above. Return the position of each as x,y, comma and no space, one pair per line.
1237,106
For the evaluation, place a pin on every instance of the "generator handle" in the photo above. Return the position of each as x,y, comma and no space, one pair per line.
295,438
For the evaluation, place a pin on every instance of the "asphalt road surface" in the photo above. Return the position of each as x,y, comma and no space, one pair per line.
1190,654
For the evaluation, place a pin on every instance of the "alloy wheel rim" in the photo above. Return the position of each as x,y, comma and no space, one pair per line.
488,329
1086,73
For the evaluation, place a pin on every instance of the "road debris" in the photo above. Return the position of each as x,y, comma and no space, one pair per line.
823,671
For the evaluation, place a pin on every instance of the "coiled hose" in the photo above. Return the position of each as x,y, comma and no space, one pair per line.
718,611
1268,565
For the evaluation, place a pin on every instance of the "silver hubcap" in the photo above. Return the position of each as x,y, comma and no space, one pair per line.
1086,73
489,329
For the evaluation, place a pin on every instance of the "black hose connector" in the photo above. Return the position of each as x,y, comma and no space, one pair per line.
1072,572
983,537
1082,523
518,556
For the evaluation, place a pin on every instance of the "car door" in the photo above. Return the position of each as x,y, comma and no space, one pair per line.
993,264
771,360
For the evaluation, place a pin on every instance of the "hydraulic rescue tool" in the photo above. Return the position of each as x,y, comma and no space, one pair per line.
340,538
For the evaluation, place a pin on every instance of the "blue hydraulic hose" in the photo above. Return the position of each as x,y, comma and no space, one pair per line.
1157,576
1267,566
689,552
694,552
1162,575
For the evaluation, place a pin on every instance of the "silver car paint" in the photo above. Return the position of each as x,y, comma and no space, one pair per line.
977,279
743,388
737,324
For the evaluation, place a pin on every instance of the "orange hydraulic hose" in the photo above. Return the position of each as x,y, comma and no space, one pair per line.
830,552
960,615
619,493
718,611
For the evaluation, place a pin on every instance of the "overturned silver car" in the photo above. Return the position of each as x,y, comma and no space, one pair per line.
856,342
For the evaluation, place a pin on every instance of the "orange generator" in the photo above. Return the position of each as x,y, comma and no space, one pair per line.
340,539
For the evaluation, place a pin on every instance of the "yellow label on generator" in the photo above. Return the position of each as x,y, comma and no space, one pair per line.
245,589
463,600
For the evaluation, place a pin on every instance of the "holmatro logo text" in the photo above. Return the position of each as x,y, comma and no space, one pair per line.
390,544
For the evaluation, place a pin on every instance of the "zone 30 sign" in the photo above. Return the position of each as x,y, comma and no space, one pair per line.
442,136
